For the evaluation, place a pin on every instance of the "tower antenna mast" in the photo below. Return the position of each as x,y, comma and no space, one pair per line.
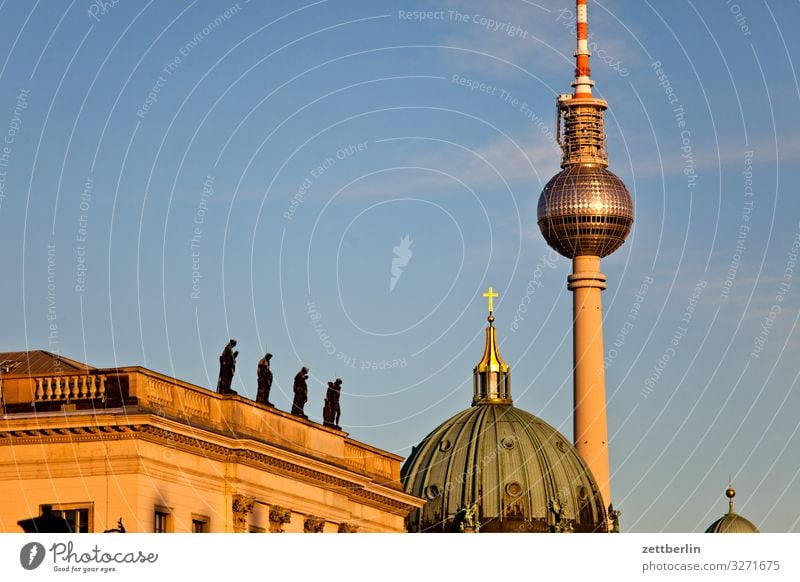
583,82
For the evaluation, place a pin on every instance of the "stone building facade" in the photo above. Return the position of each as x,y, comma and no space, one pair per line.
163,455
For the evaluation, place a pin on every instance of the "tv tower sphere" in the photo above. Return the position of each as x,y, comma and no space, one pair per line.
585,210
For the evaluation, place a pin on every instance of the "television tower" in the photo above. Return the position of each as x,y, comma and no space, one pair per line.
585,213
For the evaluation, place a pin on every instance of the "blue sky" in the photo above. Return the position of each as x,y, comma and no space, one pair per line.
198,171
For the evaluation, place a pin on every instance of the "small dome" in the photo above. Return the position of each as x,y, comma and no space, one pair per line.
507,464
732,522
585,210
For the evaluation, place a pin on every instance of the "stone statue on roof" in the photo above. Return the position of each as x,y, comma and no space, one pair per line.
227,367
264,380
300,392
331,411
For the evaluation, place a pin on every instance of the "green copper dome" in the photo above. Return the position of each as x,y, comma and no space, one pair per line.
507,463
732,522
496,468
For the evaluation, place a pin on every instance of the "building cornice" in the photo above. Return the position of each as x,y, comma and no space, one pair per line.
196,440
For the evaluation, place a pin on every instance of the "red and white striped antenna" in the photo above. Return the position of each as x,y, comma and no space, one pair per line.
582,83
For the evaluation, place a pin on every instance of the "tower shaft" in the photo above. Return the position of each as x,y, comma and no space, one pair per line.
590,426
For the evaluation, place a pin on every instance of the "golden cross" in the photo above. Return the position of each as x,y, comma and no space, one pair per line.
491,295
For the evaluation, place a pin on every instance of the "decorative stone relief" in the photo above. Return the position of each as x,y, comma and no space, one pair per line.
242,506
277,517
313,524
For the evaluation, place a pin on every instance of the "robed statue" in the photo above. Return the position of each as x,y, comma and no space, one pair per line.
264,380
331,411
300,392
227,367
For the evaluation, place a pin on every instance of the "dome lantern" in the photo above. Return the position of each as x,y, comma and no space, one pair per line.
492,376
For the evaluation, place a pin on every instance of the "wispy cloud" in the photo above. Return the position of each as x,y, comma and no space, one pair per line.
437,167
